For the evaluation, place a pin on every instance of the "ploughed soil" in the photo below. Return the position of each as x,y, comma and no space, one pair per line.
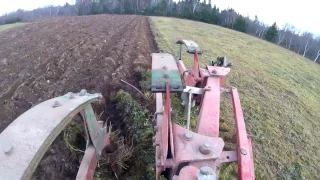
49,58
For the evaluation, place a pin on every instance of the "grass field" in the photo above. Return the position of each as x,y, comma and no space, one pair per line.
8,26
279,91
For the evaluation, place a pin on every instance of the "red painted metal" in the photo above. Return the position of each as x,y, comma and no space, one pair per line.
228,156
89,161
168,109
165,127
223,81
218,71
188,151
106,142
243,146
186,158
195,67
192,76
187,173
88,164
208,121
159,119
182,68
251,157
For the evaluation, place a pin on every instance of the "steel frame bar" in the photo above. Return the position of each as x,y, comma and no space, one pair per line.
90,160
165,129
245,160
251,157
158,146
208,121
88,164
192,76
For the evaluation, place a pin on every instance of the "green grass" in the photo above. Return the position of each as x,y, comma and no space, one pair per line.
279,91
8,26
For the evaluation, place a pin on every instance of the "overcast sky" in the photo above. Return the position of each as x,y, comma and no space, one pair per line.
13,5
302,14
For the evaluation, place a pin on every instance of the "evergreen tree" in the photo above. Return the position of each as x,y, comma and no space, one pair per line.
205,12
240,24
272,33
214,17
128,7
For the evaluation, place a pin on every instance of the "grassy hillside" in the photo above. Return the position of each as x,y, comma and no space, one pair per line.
8,26
279,91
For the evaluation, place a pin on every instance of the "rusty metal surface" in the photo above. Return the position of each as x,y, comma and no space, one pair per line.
88,164
90,160
34,131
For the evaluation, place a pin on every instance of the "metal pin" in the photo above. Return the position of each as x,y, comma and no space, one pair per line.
205,148
82,92
206,170
72,96
6,147
56,104
243,151
187,136
206,173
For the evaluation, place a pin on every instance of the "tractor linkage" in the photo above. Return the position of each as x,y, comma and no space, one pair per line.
180,153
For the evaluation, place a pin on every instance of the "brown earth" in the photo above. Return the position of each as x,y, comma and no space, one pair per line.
46,59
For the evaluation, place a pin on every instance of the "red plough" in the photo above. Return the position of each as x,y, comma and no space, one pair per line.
183,154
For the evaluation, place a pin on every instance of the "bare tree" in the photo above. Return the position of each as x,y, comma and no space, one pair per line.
291,30
318,54
194,5
289,40
317,48
262,29
228,18
306,37
282,33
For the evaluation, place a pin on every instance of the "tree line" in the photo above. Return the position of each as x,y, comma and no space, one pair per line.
287,36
